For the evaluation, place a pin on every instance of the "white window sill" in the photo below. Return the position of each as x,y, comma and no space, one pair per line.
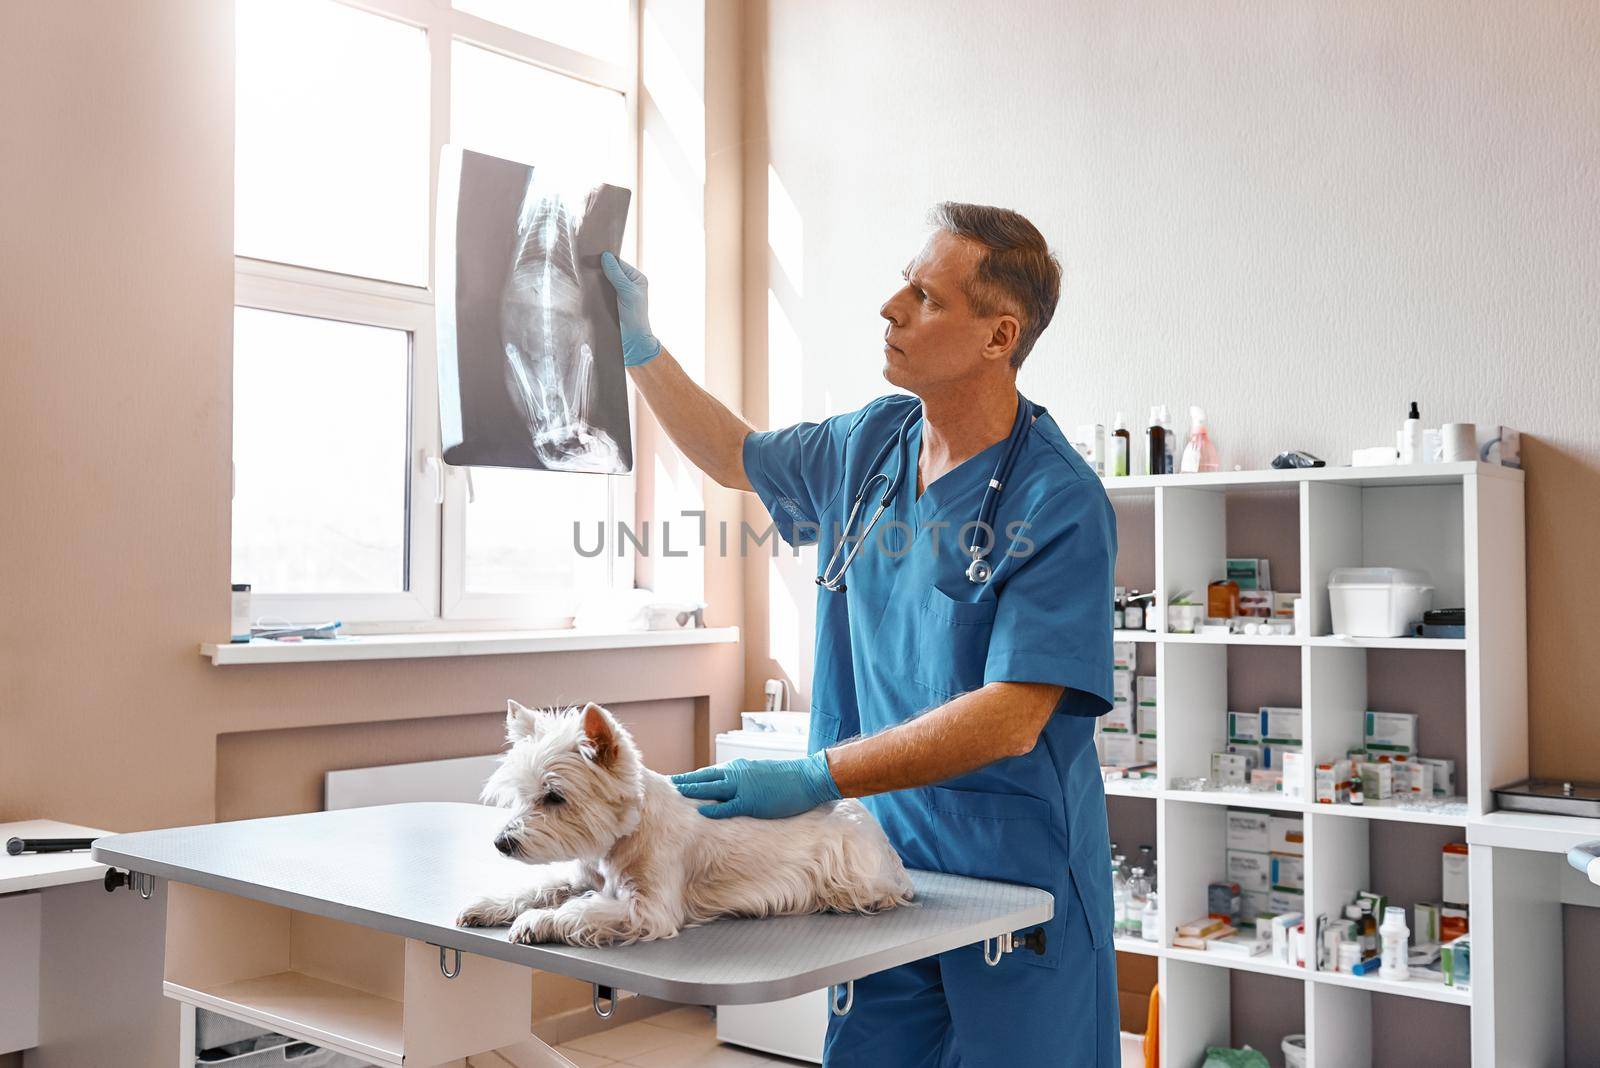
461,643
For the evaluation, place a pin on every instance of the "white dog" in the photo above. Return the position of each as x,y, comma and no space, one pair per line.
648,864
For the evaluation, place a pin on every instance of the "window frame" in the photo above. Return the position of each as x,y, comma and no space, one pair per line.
438,496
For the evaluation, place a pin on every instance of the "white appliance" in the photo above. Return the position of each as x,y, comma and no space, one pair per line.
795,1026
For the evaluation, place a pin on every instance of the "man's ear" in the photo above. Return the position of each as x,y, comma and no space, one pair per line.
599,735
1003,338
520,722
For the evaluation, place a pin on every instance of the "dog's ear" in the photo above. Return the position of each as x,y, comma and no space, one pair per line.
599,735
520,722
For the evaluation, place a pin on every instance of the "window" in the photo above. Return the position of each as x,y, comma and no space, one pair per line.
341,508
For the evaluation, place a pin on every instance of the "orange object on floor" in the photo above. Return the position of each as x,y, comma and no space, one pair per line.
1152,1030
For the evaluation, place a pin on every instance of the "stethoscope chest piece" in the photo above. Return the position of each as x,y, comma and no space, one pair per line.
978,571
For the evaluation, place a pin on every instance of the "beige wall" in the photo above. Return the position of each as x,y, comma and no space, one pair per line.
1300,216
116,284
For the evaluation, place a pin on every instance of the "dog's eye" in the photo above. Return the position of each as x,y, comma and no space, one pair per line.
553,798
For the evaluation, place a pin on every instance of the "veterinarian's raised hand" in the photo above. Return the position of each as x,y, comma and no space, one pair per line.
765,789
639,345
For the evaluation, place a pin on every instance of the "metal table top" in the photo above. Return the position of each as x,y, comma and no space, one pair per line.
409,869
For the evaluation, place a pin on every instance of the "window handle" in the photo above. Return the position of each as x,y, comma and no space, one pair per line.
435,467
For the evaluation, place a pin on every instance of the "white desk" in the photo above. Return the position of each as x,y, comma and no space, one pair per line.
21,920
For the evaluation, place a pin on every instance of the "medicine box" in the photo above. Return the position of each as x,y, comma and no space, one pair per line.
1249,831
1244,726
1252,871
1294,776
1246,749
1454,884
1253,904
1425,922
1249,573
1146,749
1230,769
1120,749
1122,686
1222,901
1120,719
1444,775
1391,732
1286,901
1333,782
1286,834
1412,778
1145,717
1272,754
1123,654
1288,872
1377,781
1266,778
1256,604
1280,725
1145,689
1452,922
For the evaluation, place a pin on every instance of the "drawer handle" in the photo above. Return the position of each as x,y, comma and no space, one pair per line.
443,970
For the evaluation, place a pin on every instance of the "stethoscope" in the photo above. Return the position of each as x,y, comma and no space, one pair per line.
979,570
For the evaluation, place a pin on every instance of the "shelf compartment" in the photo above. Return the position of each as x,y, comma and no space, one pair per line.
1359,1022
1228,1005
368,994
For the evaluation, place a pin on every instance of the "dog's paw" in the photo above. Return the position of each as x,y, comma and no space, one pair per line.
487,912
533,926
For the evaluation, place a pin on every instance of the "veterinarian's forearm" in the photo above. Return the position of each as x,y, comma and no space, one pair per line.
702,427
1001,720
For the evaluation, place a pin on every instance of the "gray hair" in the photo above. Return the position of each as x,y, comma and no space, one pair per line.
1018,274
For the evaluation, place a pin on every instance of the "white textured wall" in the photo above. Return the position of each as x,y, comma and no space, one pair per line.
1300,215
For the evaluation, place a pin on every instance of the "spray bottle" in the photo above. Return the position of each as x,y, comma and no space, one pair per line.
1120,447
1155,444
1200,454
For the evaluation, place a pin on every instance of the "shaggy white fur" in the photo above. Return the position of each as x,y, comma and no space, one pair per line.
647,863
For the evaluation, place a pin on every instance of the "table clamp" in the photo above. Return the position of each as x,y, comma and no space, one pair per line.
1008,942
143,885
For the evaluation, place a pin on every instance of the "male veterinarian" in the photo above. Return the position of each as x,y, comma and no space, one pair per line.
960,705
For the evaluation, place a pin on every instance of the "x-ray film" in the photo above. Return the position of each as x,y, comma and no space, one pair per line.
530,354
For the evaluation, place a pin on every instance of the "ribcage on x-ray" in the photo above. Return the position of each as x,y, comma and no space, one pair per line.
549,353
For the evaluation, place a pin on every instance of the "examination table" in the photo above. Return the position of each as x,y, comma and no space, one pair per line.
338,928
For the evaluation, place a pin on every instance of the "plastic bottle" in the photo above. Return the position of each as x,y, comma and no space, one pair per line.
1395,949
1169,442
1138,897
1147,861
1150,919
1411,437
1155,446
1200,454
1367,930
1121,446
1119,899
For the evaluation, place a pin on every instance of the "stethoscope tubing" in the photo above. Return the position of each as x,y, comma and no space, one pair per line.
988,509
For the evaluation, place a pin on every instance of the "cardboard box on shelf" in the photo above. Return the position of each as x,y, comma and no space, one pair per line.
1288,872
1249,831
1286,834
1390,732
1252,871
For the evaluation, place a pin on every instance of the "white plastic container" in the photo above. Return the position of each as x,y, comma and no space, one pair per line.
1378,602
1394,933
1294,1051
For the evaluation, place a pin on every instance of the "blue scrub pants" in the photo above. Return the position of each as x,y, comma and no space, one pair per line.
953,1011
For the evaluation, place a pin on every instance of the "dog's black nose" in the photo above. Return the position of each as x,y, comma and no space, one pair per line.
503,843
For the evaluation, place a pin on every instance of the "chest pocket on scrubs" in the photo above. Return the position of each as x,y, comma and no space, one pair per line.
1004,837
952,643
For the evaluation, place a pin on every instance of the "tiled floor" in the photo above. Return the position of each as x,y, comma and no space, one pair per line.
682,1038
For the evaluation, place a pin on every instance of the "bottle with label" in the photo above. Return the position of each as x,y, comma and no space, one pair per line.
1396,953
1411,437
1147,861
1169,442
1138,896
1155,445
1120,445
1119,898
1133,612
1150,919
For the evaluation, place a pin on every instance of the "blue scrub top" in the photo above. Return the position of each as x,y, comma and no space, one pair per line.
910,632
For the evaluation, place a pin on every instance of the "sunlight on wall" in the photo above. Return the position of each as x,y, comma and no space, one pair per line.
783,622
785,232
785,380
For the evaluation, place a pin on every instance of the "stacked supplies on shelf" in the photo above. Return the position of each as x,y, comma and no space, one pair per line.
1257,744
1386,767
1259,905
1125,737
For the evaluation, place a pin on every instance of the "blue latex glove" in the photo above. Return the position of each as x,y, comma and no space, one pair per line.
639,345
765,789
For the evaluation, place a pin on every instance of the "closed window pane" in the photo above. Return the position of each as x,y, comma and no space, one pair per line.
598,27
331,147
574,133
520,535
320,410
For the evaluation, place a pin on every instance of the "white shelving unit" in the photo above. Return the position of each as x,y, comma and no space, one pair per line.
1463,524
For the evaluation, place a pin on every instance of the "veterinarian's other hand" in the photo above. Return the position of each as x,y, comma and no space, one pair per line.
639,345
765,789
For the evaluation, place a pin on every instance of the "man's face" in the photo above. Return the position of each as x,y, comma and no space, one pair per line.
934,339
